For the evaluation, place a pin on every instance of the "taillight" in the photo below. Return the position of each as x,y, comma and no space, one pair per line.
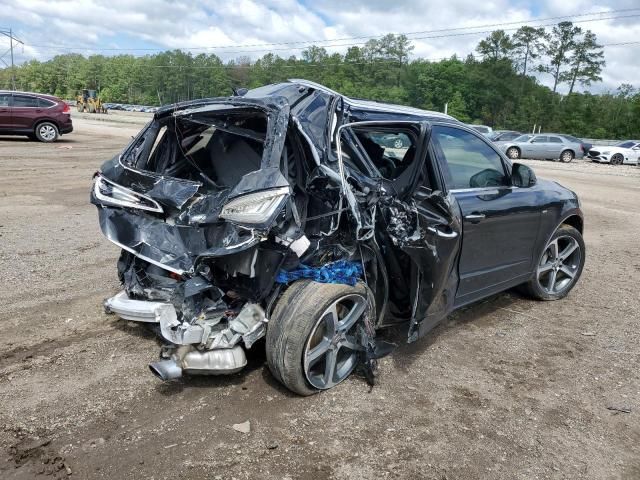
66,108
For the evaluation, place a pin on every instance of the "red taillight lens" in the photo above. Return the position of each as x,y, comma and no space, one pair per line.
66,108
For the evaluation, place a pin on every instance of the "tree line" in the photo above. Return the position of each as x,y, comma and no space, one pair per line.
496,86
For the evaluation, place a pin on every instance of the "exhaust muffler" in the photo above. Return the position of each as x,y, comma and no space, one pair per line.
221,361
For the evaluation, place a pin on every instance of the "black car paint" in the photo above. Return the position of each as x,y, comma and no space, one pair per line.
454,260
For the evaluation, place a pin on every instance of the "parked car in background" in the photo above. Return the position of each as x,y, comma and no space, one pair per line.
542,147
40,117
483,129
623,152
504,135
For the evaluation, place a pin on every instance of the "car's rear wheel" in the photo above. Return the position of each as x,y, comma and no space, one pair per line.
398,143
566,156
47,132
312,335
513,153
617,159
559,266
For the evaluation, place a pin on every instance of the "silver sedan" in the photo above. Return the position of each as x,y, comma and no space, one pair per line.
542,146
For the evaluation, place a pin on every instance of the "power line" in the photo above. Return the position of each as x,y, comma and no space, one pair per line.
331,43
9,33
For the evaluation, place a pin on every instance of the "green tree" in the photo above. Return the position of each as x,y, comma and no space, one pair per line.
586,62
458,108
528,43
496,46
561,42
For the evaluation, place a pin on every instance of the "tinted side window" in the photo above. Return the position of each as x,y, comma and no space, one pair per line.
555,140
23,101
42,103
540,139
470,162
4,100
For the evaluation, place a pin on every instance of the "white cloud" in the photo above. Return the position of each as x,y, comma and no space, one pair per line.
95,24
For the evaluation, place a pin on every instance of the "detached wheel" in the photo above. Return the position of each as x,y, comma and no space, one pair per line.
567,156
513,153
617,159
560,265
312,336
46,132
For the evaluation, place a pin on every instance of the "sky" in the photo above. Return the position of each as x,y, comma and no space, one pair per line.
243,27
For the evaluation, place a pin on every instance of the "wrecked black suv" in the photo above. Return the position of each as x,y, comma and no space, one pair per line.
285,212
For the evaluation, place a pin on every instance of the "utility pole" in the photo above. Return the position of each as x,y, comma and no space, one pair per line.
9,34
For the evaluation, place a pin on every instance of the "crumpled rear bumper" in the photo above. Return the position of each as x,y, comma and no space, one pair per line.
136,310
197,348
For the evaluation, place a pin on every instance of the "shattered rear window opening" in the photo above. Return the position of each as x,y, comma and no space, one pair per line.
216,149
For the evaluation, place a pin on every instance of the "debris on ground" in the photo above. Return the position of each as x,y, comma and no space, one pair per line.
244,427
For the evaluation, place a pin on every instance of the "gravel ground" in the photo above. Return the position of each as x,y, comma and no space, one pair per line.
507,388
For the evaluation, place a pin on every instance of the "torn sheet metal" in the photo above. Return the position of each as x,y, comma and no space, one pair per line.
259,191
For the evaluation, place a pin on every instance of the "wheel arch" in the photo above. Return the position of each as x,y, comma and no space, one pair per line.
40,121
574,220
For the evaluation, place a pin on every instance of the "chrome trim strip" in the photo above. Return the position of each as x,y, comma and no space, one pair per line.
147,259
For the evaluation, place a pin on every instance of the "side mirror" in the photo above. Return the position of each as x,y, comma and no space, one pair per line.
522,176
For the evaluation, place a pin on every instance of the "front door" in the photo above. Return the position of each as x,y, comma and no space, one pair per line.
540,147
500,222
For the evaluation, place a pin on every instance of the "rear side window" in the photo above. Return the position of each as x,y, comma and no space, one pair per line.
555,140
4,99
24,101
469,161
42,103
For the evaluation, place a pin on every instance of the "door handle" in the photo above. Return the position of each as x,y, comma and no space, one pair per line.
475,217
441,233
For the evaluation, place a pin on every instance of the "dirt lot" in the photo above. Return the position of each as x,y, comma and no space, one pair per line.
509,388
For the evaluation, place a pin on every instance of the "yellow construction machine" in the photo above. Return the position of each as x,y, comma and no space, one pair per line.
88,101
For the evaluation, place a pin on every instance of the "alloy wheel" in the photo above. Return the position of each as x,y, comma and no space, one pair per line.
47,132
331,352
513,153
567,156
397,143
617,159
559,264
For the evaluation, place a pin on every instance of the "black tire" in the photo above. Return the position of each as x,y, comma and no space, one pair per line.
294,319
513,153
617,159
46,132
535,289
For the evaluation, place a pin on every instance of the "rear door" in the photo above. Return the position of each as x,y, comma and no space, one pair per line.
419,228
556,146
24,112
5,111
500,221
